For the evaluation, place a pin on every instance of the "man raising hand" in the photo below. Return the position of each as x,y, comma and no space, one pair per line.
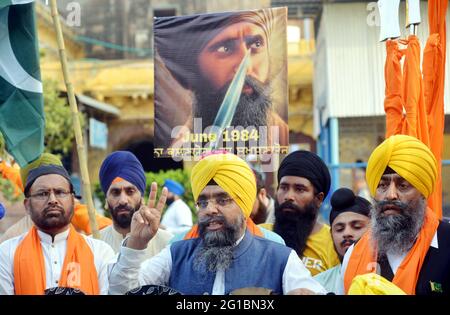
145,221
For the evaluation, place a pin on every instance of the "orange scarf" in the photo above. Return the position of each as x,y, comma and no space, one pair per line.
13,175
78,269
251,226
363,258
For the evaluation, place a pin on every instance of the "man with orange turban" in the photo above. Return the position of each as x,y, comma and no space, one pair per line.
406,240
224,254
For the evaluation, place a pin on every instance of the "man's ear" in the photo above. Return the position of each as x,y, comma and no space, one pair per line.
26,203
320,197
262,193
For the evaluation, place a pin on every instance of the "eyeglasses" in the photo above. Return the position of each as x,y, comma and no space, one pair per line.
219,201
44,195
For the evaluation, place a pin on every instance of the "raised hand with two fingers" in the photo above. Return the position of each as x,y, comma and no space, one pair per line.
146,220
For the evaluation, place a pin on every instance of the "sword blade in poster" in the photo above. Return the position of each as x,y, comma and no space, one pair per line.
229,104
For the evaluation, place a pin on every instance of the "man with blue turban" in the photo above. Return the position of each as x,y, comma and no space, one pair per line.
178,216
224,253
123,182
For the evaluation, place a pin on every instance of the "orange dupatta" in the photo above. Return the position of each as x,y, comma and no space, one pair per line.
422,98
80,219
13,175
78,269
363,259
251,226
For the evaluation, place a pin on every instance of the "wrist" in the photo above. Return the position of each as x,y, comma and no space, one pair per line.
136,243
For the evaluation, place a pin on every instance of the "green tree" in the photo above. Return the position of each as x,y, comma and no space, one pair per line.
59,134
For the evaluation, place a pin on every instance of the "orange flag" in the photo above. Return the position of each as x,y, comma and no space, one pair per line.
414,101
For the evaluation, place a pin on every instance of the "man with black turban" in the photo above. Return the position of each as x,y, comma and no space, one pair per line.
303,183
224,252
203,52
123,182
349,220
52,253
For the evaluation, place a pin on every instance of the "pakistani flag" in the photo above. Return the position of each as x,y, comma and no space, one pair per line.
21,102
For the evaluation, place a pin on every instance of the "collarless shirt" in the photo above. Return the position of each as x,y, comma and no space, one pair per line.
54,252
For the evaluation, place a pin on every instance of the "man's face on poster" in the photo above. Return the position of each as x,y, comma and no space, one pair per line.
220,58
218,63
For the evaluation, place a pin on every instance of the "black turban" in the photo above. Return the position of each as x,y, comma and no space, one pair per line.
179,40
46,170
344,200
308,165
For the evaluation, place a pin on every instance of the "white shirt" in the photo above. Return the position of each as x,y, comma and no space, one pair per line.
394,260
128,273
54,254
115,239
178,217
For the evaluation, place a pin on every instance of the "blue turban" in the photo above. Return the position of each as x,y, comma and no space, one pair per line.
174,187
125,165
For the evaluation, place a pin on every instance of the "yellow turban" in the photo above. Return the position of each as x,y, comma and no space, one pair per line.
231,173
373,284
409,158
44,159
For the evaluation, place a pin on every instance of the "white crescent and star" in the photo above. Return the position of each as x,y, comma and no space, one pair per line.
10,68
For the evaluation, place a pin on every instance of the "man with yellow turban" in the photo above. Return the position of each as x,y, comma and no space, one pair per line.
406,240
224,254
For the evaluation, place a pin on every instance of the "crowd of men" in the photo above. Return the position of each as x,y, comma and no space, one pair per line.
393,244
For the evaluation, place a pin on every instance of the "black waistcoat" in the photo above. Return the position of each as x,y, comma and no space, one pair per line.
434,277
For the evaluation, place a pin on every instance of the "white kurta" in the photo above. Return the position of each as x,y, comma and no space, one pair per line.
156,244
178,217
54,254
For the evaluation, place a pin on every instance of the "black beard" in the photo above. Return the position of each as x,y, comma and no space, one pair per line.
170,200
295,227
124,220
217,250
261,214
251,109
46,222
396,233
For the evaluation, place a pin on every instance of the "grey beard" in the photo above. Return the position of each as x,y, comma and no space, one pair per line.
251,109
396,234
216,252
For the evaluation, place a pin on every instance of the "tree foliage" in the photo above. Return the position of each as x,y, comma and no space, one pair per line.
59,133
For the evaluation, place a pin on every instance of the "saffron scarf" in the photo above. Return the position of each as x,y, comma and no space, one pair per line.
78,269
364,257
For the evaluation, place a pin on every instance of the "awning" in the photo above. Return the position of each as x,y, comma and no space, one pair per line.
97,105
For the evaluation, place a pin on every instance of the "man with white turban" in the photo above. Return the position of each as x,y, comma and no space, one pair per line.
406,241
225,252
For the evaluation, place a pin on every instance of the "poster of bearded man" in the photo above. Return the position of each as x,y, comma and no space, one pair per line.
221,83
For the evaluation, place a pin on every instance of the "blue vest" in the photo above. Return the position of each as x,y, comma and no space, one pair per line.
257,262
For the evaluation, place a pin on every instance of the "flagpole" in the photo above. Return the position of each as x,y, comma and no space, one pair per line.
76,121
